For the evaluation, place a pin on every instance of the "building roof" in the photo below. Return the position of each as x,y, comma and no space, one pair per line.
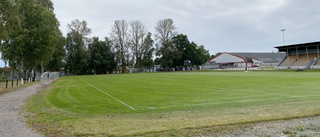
299,45
266,57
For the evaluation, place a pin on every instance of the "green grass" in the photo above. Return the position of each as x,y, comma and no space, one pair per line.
137,104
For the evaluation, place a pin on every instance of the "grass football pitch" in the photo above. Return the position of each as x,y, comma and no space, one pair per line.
133,104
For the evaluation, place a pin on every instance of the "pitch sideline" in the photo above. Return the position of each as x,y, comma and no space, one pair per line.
108,94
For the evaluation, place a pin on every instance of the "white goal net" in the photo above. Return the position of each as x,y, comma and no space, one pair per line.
49,77
137,70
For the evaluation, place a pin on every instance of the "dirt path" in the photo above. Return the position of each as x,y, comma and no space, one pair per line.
12,124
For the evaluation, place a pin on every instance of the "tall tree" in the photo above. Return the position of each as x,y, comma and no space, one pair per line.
165,50
137,34
120,39
59,55
77,52
34,40
184,47
148,51
198,55
102,58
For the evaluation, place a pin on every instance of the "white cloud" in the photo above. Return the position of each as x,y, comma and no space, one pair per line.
219,25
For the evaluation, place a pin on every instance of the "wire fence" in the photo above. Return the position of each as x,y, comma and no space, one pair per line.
11,77
16,82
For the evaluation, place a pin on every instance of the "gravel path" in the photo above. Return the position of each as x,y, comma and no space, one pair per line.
301,127
12,124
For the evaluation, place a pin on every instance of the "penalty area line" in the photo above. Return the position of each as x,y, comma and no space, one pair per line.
109,95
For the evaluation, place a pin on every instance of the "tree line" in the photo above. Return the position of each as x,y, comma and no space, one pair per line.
31,40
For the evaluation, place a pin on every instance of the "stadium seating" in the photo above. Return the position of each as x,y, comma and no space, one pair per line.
302,60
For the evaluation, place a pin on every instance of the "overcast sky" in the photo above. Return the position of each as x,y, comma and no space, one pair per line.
219,25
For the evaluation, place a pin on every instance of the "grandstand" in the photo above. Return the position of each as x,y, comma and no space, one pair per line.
300,56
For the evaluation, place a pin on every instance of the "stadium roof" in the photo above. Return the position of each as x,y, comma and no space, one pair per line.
299,45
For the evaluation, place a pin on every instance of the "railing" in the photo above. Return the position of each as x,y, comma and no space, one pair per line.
311,63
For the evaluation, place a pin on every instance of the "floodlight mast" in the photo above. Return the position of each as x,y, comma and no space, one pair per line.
283,30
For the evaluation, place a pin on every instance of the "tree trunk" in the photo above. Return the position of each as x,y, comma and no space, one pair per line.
42,68
21,67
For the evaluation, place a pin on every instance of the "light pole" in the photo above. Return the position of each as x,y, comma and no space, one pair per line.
284,43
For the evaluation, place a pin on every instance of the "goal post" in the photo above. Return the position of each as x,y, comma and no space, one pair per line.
137,70
49,77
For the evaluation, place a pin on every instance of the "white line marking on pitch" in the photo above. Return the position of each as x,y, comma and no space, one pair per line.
109,95
240,101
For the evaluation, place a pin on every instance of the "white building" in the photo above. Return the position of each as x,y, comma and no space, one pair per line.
243,60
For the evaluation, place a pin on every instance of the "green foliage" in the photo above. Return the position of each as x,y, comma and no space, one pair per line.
9,18
33,40
202,56
59,55
77,53
102,58
165,31
147,51
198,55
300,128
184,47
173,49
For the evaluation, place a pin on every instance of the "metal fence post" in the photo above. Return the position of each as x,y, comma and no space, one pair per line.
12,83
6,83
17,82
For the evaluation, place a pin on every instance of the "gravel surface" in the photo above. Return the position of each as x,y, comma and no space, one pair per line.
12,123
302,127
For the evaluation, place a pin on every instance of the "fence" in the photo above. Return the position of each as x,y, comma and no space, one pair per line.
49,77
10,77
141,70
17,82
254,68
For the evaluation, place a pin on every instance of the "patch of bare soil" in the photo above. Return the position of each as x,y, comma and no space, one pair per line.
302,127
